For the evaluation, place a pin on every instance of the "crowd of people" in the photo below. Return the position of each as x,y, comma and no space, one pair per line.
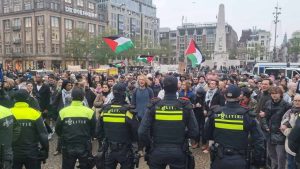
274,102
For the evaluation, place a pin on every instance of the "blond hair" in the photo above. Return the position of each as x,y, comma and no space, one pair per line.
143,77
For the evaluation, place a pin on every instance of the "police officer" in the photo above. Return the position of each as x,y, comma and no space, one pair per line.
32,133
164,128
76,126
229,127
6,133
118,129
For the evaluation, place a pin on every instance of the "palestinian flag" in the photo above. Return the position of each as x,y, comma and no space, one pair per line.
194,54
145,58
117,65
118,44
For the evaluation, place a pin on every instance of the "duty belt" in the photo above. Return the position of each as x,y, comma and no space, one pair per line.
230,151
117,146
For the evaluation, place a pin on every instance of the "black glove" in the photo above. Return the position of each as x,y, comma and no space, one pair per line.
43,155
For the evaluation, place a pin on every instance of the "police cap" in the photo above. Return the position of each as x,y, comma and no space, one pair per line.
119,88
232,92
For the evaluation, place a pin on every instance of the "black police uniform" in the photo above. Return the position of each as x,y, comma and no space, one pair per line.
6,135
76,126
32,135
164,128
118,131
229,127
294,141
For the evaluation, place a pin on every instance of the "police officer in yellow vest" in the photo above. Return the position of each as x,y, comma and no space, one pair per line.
166,127
76,126
229,127
33,133
6,135
118,129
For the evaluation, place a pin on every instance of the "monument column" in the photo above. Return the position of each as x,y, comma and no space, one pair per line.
220,53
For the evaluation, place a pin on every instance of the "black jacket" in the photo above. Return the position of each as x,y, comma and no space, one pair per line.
217,128
294,140
43,96
218,99
33,132
262,99
146,133
272,121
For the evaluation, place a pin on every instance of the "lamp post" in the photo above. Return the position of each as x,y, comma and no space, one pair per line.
276,16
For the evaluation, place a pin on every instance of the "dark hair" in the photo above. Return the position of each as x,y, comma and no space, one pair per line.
285,88
214,80
270,81
110,78
21,95
276,90
65,83
78,94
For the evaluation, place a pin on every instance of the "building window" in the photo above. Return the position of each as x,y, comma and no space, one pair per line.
91,6
40,20
17,8
28,36
54,22
181,39
27,4
7,49
199,38
68,1
69,35
17,22
40,35
28,48
55,48
54,6
39,4
6,24
41,48
6,9
27,22
101,29
81,25
91,28
68,24
7,37
17,49
80,3
262,43
55,35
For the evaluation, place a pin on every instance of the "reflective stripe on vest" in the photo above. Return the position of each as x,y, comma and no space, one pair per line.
229,124
114,115
168,115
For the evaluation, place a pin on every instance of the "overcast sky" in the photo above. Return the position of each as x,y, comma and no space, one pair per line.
240,14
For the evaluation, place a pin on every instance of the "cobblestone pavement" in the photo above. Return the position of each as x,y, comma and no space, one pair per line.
54,162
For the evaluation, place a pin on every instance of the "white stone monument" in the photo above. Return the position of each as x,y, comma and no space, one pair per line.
220,57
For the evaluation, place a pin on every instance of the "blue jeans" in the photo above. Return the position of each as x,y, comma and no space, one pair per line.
291,163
